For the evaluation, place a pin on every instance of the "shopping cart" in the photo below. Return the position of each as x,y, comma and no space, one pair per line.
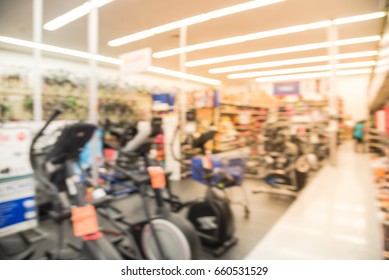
225,172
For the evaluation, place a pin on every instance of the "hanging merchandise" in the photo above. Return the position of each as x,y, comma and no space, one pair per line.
5,109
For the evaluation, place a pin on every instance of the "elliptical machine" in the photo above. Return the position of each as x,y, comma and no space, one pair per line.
164,235
57,174
211,215
287,164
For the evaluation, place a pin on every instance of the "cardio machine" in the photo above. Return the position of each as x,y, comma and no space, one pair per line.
211,215
66,188
287,165
162,235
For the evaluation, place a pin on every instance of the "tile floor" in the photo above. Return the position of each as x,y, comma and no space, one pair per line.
335,216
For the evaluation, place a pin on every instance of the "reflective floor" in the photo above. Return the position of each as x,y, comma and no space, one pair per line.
335,216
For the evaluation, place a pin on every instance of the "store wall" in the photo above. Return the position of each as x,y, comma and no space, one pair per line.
20,59
353,90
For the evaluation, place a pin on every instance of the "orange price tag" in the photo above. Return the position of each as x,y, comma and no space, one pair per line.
379,173
206,162
157,175
84,220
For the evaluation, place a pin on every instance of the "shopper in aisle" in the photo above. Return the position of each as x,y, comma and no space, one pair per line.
358,135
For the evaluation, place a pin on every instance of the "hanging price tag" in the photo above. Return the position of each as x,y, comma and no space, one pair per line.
84,221
157,176
206,162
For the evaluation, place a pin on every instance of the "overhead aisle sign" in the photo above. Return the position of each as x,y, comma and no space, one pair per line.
286,88
136,61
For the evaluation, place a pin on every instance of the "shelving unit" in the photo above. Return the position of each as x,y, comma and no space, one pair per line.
303,116
13,103
116,102
241,122
378,146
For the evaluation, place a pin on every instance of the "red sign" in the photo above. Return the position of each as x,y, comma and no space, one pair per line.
21,136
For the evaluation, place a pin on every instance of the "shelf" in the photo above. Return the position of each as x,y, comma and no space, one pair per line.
307,102
15,91
49,95
225,150
191,107
242,112
227,142
241,105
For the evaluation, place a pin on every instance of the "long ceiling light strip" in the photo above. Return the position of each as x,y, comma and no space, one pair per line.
74,14
101,58
241,39
300,70
191,20
181,75
313,75
381,69
292,49
267,34
59,50
304,60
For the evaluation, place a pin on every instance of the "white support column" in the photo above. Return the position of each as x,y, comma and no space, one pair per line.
173,165
37,73
93,26
332,36
182,58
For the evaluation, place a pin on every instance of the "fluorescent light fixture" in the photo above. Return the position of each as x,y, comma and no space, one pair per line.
292,49
359,18
381,69
112,60
383,52
59,50
382,62
242,38
181,75
74,14
312,75
191,20
267,34
300,70
355,64
270,64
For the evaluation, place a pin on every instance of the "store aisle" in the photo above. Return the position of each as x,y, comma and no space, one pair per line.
335,216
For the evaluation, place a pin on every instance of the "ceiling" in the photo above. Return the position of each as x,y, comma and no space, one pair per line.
123,17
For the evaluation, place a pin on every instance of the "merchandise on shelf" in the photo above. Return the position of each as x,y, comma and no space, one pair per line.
377,141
